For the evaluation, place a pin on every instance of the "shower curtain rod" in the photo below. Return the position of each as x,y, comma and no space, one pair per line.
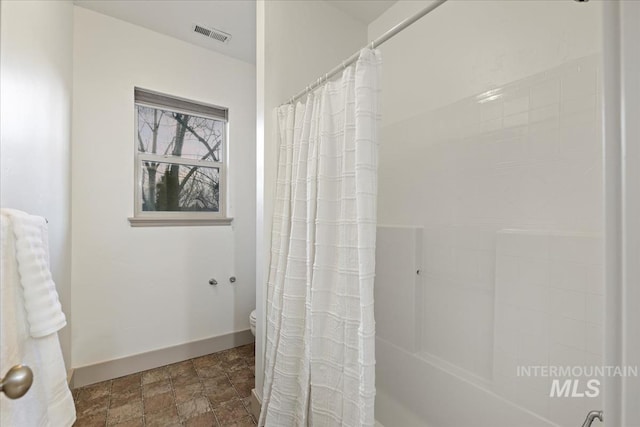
375,43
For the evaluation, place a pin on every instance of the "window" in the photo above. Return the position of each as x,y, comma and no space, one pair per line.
180,164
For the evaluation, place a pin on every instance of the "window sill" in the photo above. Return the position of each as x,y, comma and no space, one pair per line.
177,222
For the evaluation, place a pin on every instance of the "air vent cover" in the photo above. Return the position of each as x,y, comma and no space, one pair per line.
212,33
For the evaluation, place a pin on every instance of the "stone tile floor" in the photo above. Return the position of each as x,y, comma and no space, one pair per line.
211,391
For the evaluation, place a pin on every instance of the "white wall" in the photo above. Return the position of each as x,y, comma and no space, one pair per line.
491,122
142,289
301,40
621,87
36,126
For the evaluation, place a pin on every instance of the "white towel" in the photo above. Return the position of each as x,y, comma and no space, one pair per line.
44,311
49,402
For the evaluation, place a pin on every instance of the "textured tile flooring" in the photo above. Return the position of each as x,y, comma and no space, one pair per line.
209,391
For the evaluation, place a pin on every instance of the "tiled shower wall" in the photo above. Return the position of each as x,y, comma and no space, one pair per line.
548,312
525,156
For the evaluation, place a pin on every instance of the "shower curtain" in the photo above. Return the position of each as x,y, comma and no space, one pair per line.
320,356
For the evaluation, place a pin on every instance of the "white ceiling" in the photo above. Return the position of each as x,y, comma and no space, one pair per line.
176,17
365,11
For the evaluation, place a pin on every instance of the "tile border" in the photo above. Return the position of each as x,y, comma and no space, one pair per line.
90,374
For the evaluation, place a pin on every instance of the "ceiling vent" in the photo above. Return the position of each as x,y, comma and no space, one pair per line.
212,33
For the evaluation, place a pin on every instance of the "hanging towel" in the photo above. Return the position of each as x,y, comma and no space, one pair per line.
44,312
49,402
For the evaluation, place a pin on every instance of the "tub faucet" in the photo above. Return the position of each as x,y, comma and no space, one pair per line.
592,416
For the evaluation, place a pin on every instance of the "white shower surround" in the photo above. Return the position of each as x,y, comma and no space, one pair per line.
534,154
506,136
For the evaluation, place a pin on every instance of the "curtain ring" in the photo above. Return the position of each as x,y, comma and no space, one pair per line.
326,78
343,65
373,44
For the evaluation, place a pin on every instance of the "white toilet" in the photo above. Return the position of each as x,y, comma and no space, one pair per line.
252,322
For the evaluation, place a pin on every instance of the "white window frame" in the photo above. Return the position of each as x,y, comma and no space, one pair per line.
164,218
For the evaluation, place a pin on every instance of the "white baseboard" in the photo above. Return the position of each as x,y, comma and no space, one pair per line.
70,374
103,371
256,404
